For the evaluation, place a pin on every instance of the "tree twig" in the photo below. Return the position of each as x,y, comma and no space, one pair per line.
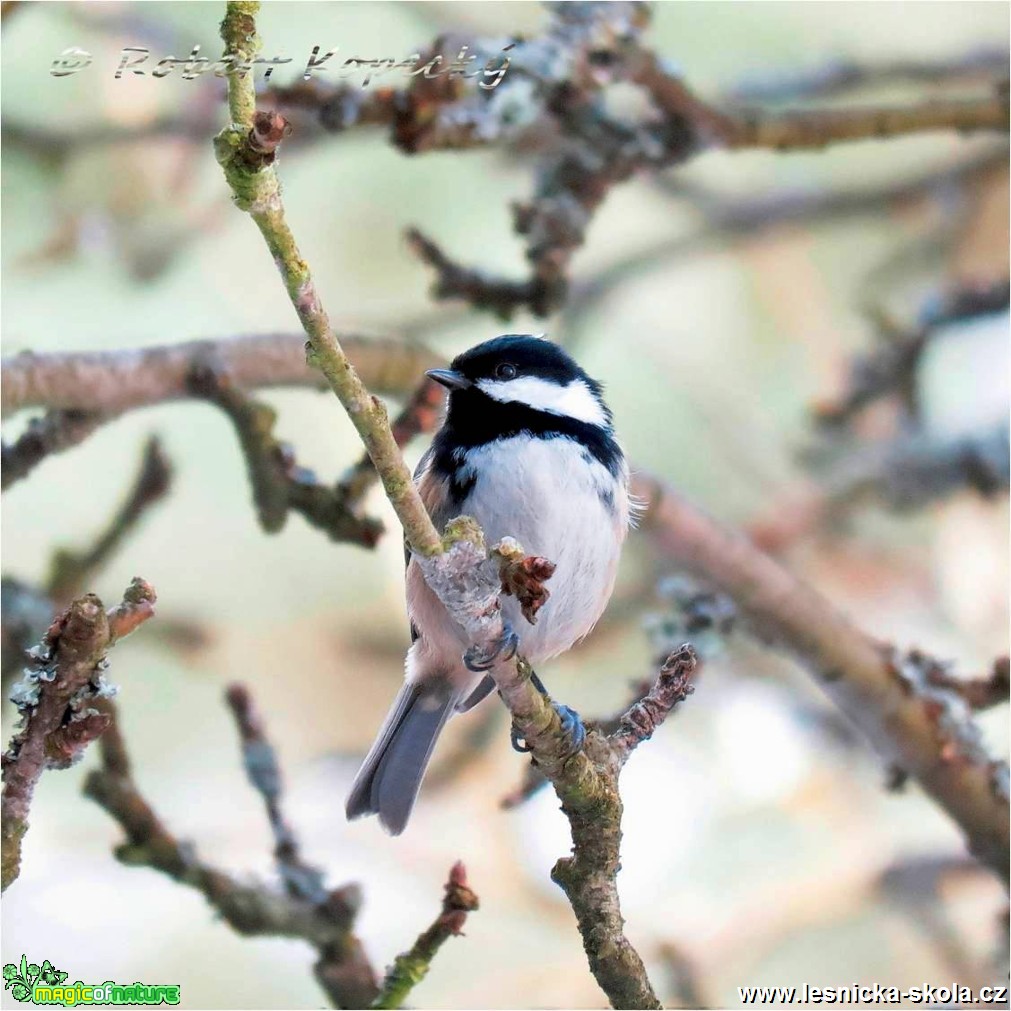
418,416
55,699
70,571
54,432
986,63
325,921
410,968
278,483
301,879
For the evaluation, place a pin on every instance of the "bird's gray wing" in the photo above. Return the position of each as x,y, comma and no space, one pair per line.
434,493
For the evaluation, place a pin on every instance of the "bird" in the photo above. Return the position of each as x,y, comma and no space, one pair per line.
527,448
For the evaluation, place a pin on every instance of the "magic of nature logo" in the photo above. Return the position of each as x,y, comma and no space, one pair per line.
45,984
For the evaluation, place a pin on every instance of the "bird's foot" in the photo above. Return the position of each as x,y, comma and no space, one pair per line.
572,727
479,661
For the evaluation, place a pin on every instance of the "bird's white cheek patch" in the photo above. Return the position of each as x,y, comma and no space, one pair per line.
574,400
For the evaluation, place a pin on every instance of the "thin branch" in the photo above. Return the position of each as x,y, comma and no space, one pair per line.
728,219
979,693
923,729
251,909
835,75
913,470
71,571
804,130
301,879
278,483
254,182
111,382
792,130
54,699
891,367
54,432
410,968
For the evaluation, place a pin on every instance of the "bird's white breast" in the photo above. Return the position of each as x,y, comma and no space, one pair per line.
561,503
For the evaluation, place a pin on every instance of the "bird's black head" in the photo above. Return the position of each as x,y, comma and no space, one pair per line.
509,380
519,385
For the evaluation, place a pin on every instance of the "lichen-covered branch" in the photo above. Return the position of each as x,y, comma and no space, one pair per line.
410,968
589,876
279,485
923,729
111,382
979,693
253,178
55,700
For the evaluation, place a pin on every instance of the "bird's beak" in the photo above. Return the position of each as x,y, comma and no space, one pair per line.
449,378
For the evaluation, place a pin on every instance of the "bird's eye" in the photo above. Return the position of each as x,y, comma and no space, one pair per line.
505,371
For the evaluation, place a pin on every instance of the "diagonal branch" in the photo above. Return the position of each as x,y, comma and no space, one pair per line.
254,182
923,729
457,567
252,909
410,968
55,699
70,571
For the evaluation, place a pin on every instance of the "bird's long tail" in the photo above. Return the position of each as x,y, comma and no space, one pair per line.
390,777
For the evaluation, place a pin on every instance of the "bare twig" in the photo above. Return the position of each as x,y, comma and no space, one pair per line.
922,729
278,483
111,382
912,470
301,879
410,968
794,131
891,367
70,571
325,921
979,693
833,76
55,700
54,432
728,219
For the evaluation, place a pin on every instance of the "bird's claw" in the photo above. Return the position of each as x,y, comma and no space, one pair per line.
504,648
572,727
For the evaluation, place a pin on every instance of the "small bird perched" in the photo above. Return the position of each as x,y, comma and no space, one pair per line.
528,450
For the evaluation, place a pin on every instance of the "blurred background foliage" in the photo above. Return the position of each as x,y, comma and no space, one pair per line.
761,846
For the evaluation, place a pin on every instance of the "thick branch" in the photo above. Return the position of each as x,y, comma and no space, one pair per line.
922,729
111,382
410,968
55,700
